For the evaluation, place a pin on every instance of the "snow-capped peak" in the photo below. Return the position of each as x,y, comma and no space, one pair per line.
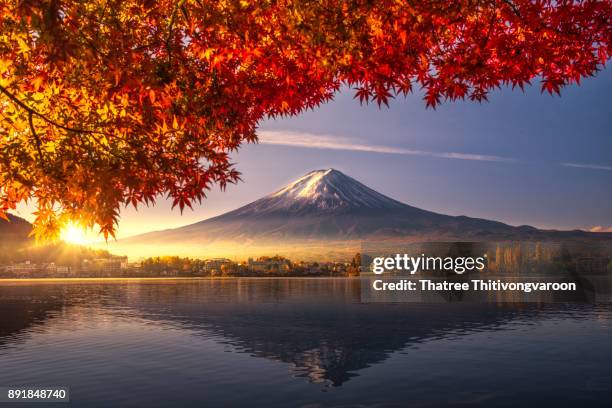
321,190
310,186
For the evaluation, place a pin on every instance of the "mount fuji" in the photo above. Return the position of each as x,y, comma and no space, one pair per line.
326,206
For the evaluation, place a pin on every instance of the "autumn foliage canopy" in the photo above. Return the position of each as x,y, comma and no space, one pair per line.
106,103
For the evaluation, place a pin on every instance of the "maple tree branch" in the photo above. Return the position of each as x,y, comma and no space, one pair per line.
515,10
180,4
38,142
21,179
89,43
543,26
169,37
34,112
491,22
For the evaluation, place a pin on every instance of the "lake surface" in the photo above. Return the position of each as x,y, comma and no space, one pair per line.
297,343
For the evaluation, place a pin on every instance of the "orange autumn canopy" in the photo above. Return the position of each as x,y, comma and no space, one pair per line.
105,103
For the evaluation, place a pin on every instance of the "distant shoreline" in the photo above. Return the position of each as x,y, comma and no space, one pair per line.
154,279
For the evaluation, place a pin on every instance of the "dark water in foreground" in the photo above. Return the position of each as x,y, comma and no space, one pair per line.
297,343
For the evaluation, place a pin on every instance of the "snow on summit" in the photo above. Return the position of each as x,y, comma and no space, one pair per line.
321,190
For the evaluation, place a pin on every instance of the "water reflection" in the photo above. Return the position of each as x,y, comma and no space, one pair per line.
319,327
23,311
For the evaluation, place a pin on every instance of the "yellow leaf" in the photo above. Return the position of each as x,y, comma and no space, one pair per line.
37,83
208,53
24,48
4,65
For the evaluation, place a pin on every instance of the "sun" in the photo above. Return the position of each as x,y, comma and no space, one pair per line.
73,234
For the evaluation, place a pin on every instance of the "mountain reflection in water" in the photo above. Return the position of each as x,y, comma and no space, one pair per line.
318,327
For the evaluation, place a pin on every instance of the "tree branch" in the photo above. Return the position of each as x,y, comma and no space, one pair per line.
34,112
171,28
515,10
543,26
38,143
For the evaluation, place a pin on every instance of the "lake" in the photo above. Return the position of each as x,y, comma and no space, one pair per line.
296,343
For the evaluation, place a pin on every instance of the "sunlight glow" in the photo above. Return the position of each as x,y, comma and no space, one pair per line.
74,234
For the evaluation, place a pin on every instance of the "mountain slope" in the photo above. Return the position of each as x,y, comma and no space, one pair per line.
14,230
319,192
14,236
329,206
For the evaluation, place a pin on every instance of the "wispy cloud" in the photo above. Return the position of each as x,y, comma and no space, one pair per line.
332,142
588,166
314,141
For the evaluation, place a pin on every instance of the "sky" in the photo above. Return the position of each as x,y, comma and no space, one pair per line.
520,158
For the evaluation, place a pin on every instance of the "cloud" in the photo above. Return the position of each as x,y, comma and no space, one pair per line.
599,228
330,142
588,166
313,141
